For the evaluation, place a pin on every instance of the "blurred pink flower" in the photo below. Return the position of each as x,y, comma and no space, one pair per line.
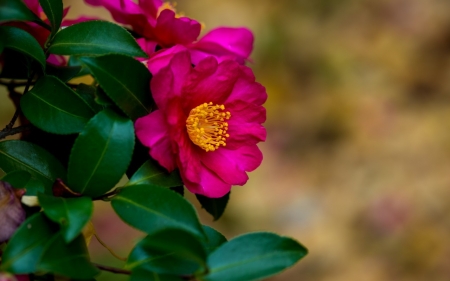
4,276
208,122
11,212
161,27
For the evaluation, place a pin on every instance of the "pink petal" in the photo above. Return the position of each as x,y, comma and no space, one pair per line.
171,30
57,60
150,7
34,6
210,185
210,82
247,89
224,166
224,41
189,160
148,46
167,83
153,132
244,126
163,57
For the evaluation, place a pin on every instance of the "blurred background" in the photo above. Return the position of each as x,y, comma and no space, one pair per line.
357,159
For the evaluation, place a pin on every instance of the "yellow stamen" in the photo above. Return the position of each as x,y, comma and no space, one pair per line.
169,6
206,126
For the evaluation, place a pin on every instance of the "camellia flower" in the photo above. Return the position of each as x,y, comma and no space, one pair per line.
161,28
207,124
11,212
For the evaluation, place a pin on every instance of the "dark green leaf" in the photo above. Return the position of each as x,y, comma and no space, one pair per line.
95,38
253,257
74,61
142,274
170,251
125,80
152,208
53,9
87,93
20,40
64,73
72,214
23,179
215,239
101,154
214,206
151,173
17,65
54,107
24,156
27,245
12,10
70,260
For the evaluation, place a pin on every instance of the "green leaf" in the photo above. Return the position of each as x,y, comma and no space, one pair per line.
215,239
20,155
53,9
54,107
15,10
214,206
20,40
101,154
72,214
170,251
27,245
142,274
152,208
64,73
88,93
125,80
70,260
253,257
95,38
151,173
23,179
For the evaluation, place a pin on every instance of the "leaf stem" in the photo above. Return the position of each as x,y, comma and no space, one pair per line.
112,269
17,130
108,248
106,196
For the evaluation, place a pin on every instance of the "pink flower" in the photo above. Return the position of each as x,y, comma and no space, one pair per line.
208,122
158,25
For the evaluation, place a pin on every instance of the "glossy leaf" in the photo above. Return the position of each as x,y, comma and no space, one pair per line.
253,257
24,156
70,260
72,214
125,80
53,9
26,247
101,154
214,206
20,40
95,38
215,239
170,251
152,208
54,107
15,10
23,179
151,173
87,93
142,274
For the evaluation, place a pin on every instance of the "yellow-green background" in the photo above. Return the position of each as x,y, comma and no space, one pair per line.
357,159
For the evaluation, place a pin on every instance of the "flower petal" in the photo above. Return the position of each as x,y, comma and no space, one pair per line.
224,165
153,132
210,185
163,57
225,41
171,30
247,89
150,7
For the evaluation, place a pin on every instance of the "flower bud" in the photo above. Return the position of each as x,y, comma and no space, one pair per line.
11,212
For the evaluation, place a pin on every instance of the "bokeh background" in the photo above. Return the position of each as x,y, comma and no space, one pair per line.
357,159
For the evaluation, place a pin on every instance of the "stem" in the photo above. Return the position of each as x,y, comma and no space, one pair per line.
106,196
17,130
43,24
112,269
108,248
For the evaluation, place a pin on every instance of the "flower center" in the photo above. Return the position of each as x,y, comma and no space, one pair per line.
206,126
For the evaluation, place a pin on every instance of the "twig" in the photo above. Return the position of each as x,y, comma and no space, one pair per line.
43,24
17,130
112,269
108,248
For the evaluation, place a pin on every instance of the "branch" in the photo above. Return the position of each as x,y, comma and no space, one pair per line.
112,269
108,248
12,131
